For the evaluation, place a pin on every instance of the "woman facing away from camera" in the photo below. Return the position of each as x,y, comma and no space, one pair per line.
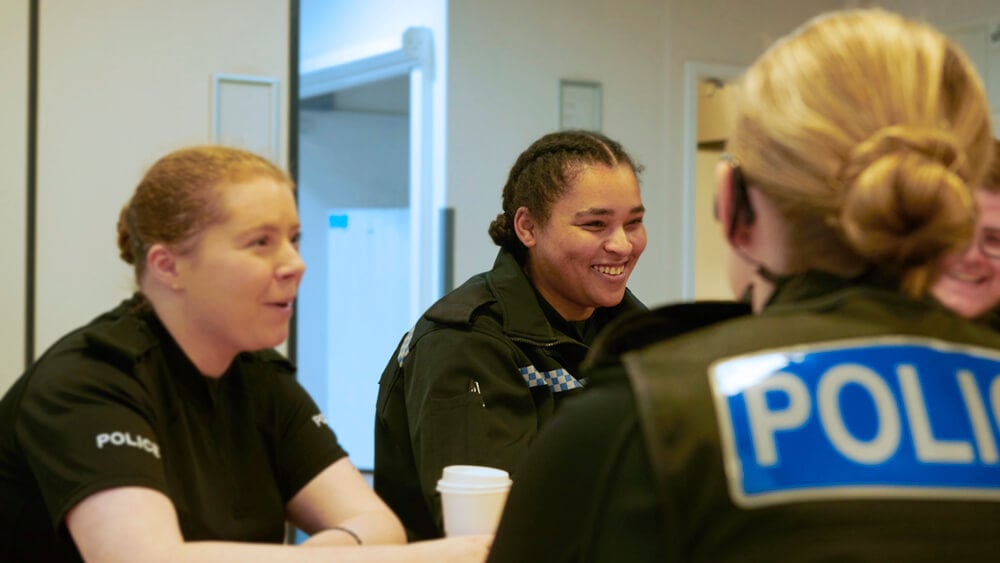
166,429
969,282
849,418
488,364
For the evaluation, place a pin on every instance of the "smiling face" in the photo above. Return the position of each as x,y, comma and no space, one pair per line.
240,278
582,256
969,283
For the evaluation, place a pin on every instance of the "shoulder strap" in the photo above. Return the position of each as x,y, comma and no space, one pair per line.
640,329
459,306
122,341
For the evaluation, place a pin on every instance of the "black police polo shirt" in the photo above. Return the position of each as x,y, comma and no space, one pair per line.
117,403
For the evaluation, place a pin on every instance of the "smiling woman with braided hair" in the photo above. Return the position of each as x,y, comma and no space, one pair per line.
488,365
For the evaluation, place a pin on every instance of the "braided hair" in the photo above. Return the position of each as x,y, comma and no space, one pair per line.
544,172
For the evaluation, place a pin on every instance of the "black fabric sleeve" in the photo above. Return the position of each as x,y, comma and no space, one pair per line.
85,427
305,445
584,491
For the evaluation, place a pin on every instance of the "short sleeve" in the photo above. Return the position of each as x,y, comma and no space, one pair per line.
304,444
85,427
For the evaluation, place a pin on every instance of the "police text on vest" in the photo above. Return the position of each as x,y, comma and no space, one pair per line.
890,417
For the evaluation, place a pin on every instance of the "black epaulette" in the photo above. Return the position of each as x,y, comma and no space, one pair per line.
460,306
121,342
639,330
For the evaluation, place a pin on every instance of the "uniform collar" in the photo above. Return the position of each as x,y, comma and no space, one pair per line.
814,283
181,369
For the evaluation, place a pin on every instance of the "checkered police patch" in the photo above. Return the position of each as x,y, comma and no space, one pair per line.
404,349
558,380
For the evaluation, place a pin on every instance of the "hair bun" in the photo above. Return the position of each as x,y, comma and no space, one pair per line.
502,231
905,188
126,242
935,144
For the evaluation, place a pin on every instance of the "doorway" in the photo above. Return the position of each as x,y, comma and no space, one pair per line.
354,205
709,91
366,209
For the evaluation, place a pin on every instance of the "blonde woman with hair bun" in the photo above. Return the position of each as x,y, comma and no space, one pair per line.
836,413
865,131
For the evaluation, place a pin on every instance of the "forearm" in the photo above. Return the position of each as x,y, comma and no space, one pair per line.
431,552
377,527
136,524
196,552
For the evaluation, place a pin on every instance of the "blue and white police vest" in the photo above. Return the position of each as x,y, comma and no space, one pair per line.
892,417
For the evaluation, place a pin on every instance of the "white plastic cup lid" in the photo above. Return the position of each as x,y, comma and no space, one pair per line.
473,478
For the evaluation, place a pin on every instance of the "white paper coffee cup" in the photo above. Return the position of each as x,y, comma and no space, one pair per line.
472,498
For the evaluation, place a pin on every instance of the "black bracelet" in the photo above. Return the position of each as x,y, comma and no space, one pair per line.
349,532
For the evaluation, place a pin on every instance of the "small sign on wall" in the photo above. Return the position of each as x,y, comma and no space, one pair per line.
245,114
579,105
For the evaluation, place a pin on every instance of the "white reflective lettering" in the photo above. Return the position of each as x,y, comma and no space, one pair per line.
886,440
985,441
764,422
929,448
995,398
126,439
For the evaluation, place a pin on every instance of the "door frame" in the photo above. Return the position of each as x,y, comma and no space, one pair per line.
415,58
694,73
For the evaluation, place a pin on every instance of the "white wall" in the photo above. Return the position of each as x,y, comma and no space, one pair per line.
120,86
13,171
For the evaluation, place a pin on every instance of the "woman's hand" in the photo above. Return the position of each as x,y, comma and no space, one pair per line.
457,549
